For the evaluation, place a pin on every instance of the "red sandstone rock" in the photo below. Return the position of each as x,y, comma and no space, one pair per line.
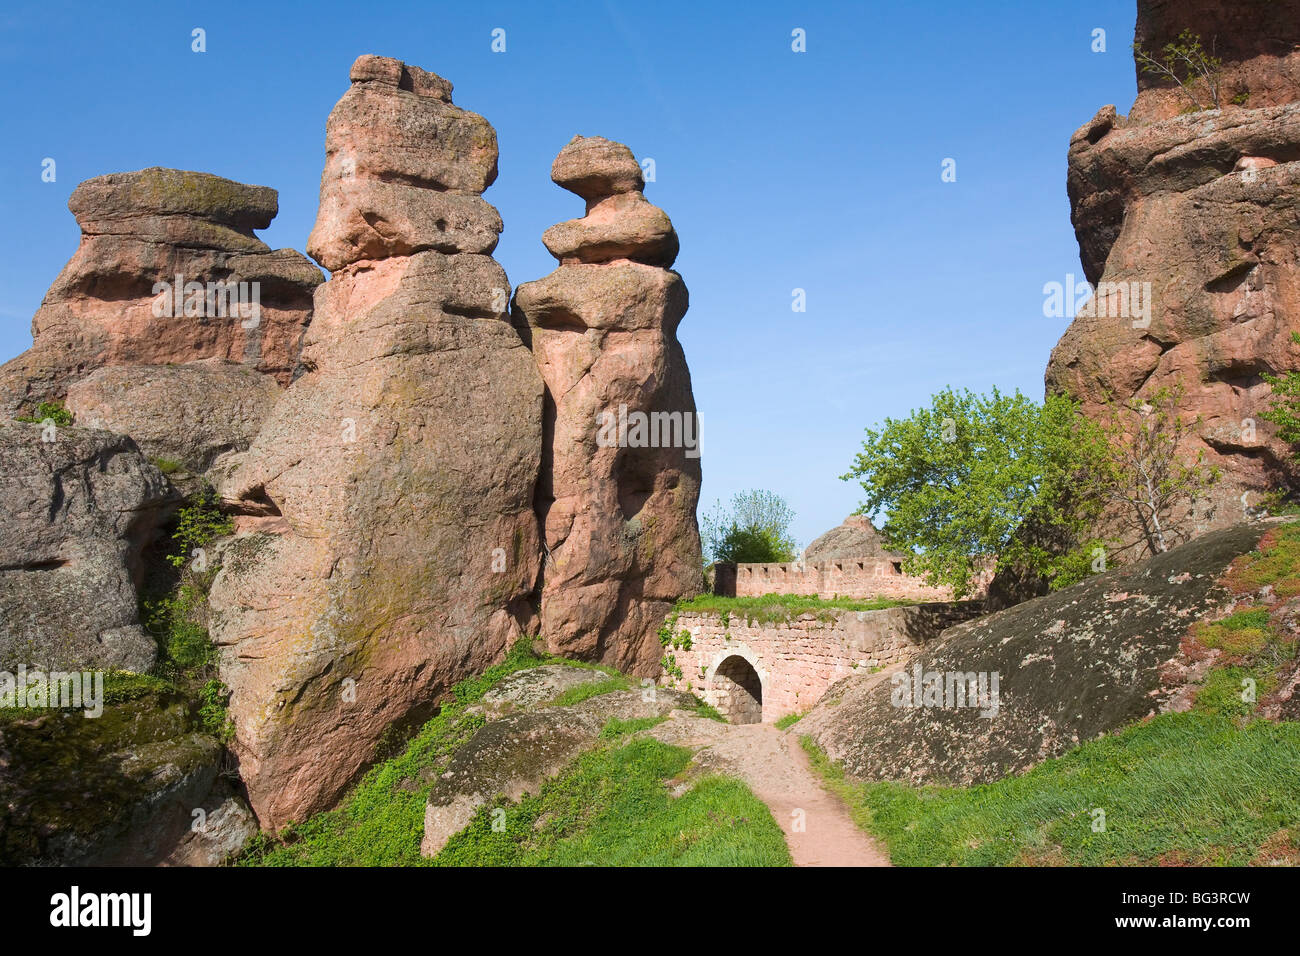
143,228
618,520
402,467
1205,208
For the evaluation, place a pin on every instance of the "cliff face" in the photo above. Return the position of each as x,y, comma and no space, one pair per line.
397,473
1188,220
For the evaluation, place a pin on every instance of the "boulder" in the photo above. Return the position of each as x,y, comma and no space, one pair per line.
109,306
399,548
188,415
617,505
1070,666
79,505
147,766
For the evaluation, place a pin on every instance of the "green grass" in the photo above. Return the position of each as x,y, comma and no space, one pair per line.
1179,788
611,808
788,721
576,695
779,607
381,821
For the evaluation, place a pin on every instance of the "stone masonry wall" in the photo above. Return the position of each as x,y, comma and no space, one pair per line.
848,577
797,660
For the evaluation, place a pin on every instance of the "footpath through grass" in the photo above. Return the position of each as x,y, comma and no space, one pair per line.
1181,788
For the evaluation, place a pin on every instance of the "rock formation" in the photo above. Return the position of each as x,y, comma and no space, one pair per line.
620,468
857,537
145,228
1196,214
1071,666
401,466
79,507
189,414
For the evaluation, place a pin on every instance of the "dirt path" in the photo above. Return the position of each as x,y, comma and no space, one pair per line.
817,825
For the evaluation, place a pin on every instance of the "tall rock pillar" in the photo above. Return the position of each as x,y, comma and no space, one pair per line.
620,470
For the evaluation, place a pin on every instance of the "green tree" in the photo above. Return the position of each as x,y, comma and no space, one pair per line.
753,528
1149,489
960,479
1284,411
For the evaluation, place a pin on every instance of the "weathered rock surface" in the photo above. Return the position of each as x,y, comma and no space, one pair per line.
79,508
1072,665
400,468
618,519
512,756
527,742
145,767
1201,210
404,170
189,414
143,228
1257,41
857,537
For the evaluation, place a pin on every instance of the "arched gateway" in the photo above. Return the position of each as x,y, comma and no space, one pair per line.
738,691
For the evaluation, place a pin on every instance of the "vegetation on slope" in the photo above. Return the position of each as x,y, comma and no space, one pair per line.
1180,788
611,807
1214,785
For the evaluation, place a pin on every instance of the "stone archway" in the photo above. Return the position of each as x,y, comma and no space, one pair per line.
739,691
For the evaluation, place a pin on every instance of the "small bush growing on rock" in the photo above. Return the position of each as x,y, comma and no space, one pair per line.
1189,65
49,411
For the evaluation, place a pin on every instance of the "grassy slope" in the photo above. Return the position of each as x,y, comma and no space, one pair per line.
1211,786
611,807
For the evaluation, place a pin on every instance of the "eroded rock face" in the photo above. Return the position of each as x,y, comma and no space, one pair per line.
143,228
1256,40
189,414
1071,666
79,507
1197,214
401,466
618,520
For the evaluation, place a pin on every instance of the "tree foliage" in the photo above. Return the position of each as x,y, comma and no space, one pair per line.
754,527
958,481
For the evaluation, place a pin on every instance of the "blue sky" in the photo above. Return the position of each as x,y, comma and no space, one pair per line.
781,170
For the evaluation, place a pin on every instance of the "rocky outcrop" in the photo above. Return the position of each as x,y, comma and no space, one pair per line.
857,537
526,742
149,767
1190,225
79,506
1070,666
1257,40
187,415
620,470
400,467
109,305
